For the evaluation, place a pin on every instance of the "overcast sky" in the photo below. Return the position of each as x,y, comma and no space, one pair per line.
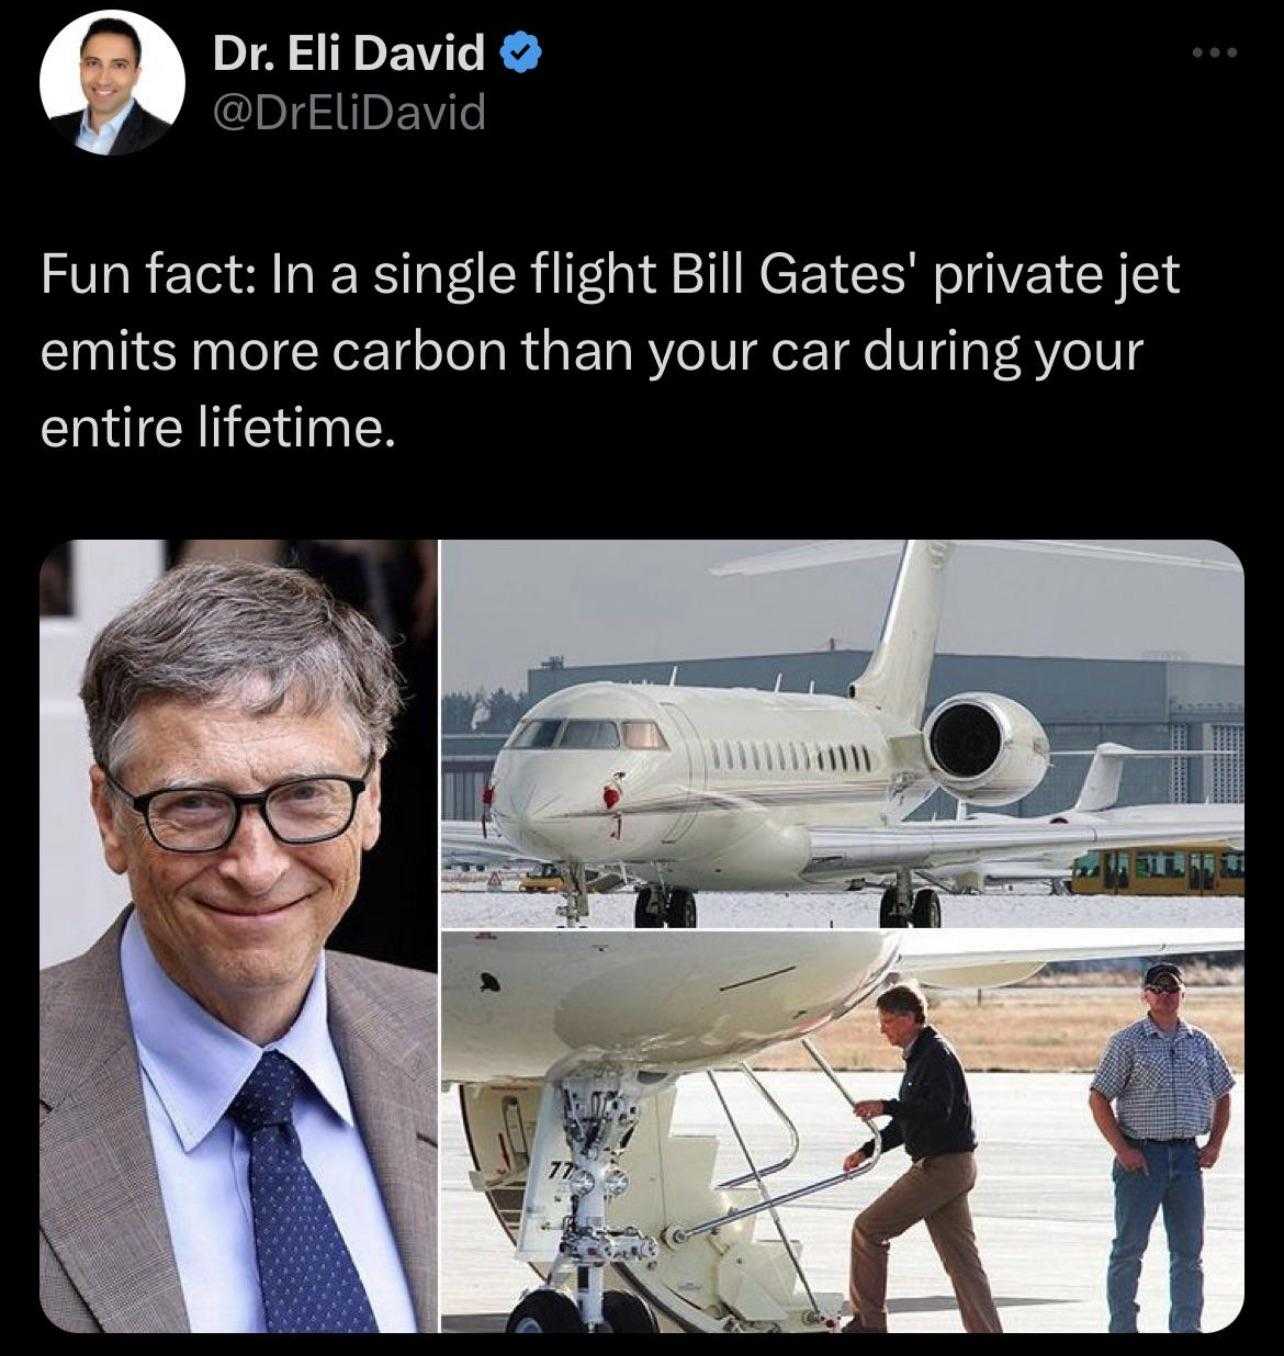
507,605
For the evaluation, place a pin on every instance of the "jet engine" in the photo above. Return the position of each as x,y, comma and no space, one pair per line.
985,749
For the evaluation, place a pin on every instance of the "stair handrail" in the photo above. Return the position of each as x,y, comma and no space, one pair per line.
789,1125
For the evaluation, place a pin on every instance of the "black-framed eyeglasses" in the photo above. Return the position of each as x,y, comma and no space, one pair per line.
205,818
1164,988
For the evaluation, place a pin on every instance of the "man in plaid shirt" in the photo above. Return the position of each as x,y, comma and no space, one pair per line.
1169,1083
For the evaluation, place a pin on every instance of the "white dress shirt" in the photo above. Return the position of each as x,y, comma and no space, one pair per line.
101,141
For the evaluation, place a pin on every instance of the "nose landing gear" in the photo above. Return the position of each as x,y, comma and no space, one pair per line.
598,1114
656,907
575,892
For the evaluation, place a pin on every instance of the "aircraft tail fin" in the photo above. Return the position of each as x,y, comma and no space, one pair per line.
896,678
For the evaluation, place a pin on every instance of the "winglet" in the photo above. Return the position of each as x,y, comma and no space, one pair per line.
1101,785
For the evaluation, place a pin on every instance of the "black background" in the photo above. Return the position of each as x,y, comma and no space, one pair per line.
692,128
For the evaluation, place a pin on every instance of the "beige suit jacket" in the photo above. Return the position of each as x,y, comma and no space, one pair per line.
106,1261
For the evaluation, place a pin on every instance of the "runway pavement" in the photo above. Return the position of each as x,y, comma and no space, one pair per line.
859,909
1043,1206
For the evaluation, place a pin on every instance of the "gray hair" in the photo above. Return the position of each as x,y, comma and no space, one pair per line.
213,631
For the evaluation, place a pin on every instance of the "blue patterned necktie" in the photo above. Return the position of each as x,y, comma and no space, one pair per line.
306,1272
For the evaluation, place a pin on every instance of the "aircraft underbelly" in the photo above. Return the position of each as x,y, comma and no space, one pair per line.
763,851
518,1005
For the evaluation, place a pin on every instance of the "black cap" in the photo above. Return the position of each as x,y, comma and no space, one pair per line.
1165,969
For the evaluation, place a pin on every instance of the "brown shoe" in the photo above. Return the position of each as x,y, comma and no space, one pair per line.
855,1325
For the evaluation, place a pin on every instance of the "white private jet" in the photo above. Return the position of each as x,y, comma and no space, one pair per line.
567,1047
1096,805
690,788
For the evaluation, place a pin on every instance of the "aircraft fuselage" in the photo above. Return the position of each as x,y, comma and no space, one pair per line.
721,799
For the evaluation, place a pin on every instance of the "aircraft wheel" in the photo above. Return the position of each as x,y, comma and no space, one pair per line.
681,912
889,914
927,909
625,1313
545,1311
648,910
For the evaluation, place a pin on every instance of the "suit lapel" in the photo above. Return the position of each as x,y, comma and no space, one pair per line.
379,1063
101,1209
129,132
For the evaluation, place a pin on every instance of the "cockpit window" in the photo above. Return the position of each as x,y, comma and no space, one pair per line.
590,734
536,734
643,734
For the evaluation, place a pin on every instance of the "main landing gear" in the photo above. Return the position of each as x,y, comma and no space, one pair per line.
902,908
598,1115
656,907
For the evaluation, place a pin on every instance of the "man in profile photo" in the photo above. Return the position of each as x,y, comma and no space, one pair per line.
237,1126
113,122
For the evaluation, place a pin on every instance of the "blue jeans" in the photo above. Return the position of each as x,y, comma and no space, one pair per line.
1172,1181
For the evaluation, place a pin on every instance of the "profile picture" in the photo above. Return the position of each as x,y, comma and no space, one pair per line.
112,83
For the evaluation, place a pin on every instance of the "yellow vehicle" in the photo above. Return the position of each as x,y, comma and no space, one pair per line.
547,880
1160,871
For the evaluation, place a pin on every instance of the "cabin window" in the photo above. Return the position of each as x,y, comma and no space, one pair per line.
713,748
869,767
753,748
806,759
793,755
643,734
780,754
833,762
767,750
726,748
537,734
590,734
855,758
744,762
843,755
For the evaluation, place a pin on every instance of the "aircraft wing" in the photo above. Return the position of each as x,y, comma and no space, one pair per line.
981,957
463,838
841,853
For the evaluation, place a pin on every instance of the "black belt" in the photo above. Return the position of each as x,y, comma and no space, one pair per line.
1138,1139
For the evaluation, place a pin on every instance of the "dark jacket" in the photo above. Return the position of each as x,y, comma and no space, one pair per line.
933,1114
140,130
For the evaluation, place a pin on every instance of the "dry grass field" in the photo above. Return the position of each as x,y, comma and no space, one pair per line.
1025,1029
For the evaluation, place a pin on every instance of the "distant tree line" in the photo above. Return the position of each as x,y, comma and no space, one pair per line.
482,712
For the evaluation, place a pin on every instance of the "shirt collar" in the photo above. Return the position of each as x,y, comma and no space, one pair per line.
1152,1027
196,1064
113,126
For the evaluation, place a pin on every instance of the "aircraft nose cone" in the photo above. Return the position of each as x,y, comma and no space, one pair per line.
527,816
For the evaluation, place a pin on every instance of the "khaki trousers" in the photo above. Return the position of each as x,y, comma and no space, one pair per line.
935,1191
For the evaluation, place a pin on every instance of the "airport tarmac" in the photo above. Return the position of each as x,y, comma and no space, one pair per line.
859,909
1043,1206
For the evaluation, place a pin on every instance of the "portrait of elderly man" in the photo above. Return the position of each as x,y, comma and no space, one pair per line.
238,1128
